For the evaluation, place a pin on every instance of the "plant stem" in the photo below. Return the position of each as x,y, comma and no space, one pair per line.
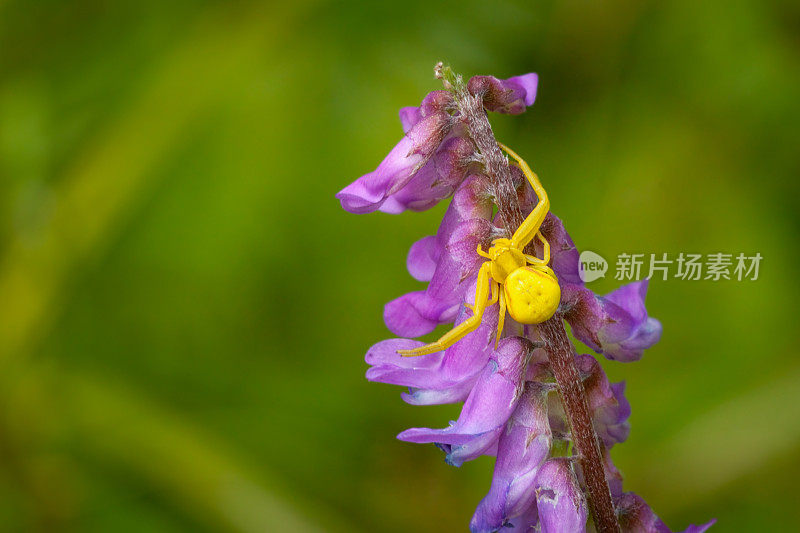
561,352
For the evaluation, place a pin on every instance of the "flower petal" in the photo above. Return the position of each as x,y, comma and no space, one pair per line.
457,393
422,258
511,96
370,191
564,257
616,325
441,371
418,313
559,500
409,116
435,181
434,101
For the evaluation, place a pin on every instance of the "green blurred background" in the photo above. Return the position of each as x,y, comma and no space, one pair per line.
184,307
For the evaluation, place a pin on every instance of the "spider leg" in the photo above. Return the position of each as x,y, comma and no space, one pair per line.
501,320
530,226
492,300
495,294
545,248
471,324
545,252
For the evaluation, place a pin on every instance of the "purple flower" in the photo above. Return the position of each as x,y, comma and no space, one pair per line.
509,96
564,256
615,325
432,158
522,448
486,410
444,377
607,402
433,102
449,260
411,154
559,499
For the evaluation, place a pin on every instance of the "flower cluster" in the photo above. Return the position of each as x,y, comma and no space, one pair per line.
512,408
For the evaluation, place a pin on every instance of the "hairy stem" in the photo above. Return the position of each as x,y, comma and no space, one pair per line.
470,109
561,352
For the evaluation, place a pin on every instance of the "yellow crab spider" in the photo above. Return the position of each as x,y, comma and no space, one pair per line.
530,291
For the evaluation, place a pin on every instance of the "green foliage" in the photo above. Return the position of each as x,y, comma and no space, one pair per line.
181,333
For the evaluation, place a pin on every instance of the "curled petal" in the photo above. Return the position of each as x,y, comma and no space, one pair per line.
422,258
559,500
616,325
469,202
388,366
370,191
522,448
633,330
436,102
486,410
511,96
416,313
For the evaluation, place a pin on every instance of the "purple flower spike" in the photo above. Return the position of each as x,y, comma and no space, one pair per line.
559,500
511,96
522,448
528,399
615,325
369,192
486,410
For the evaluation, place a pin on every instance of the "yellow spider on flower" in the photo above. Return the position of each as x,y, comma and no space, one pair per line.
530,290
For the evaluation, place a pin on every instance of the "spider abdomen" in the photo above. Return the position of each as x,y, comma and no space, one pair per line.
532,294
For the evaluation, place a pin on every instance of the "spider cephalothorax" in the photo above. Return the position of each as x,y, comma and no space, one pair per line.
530,291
